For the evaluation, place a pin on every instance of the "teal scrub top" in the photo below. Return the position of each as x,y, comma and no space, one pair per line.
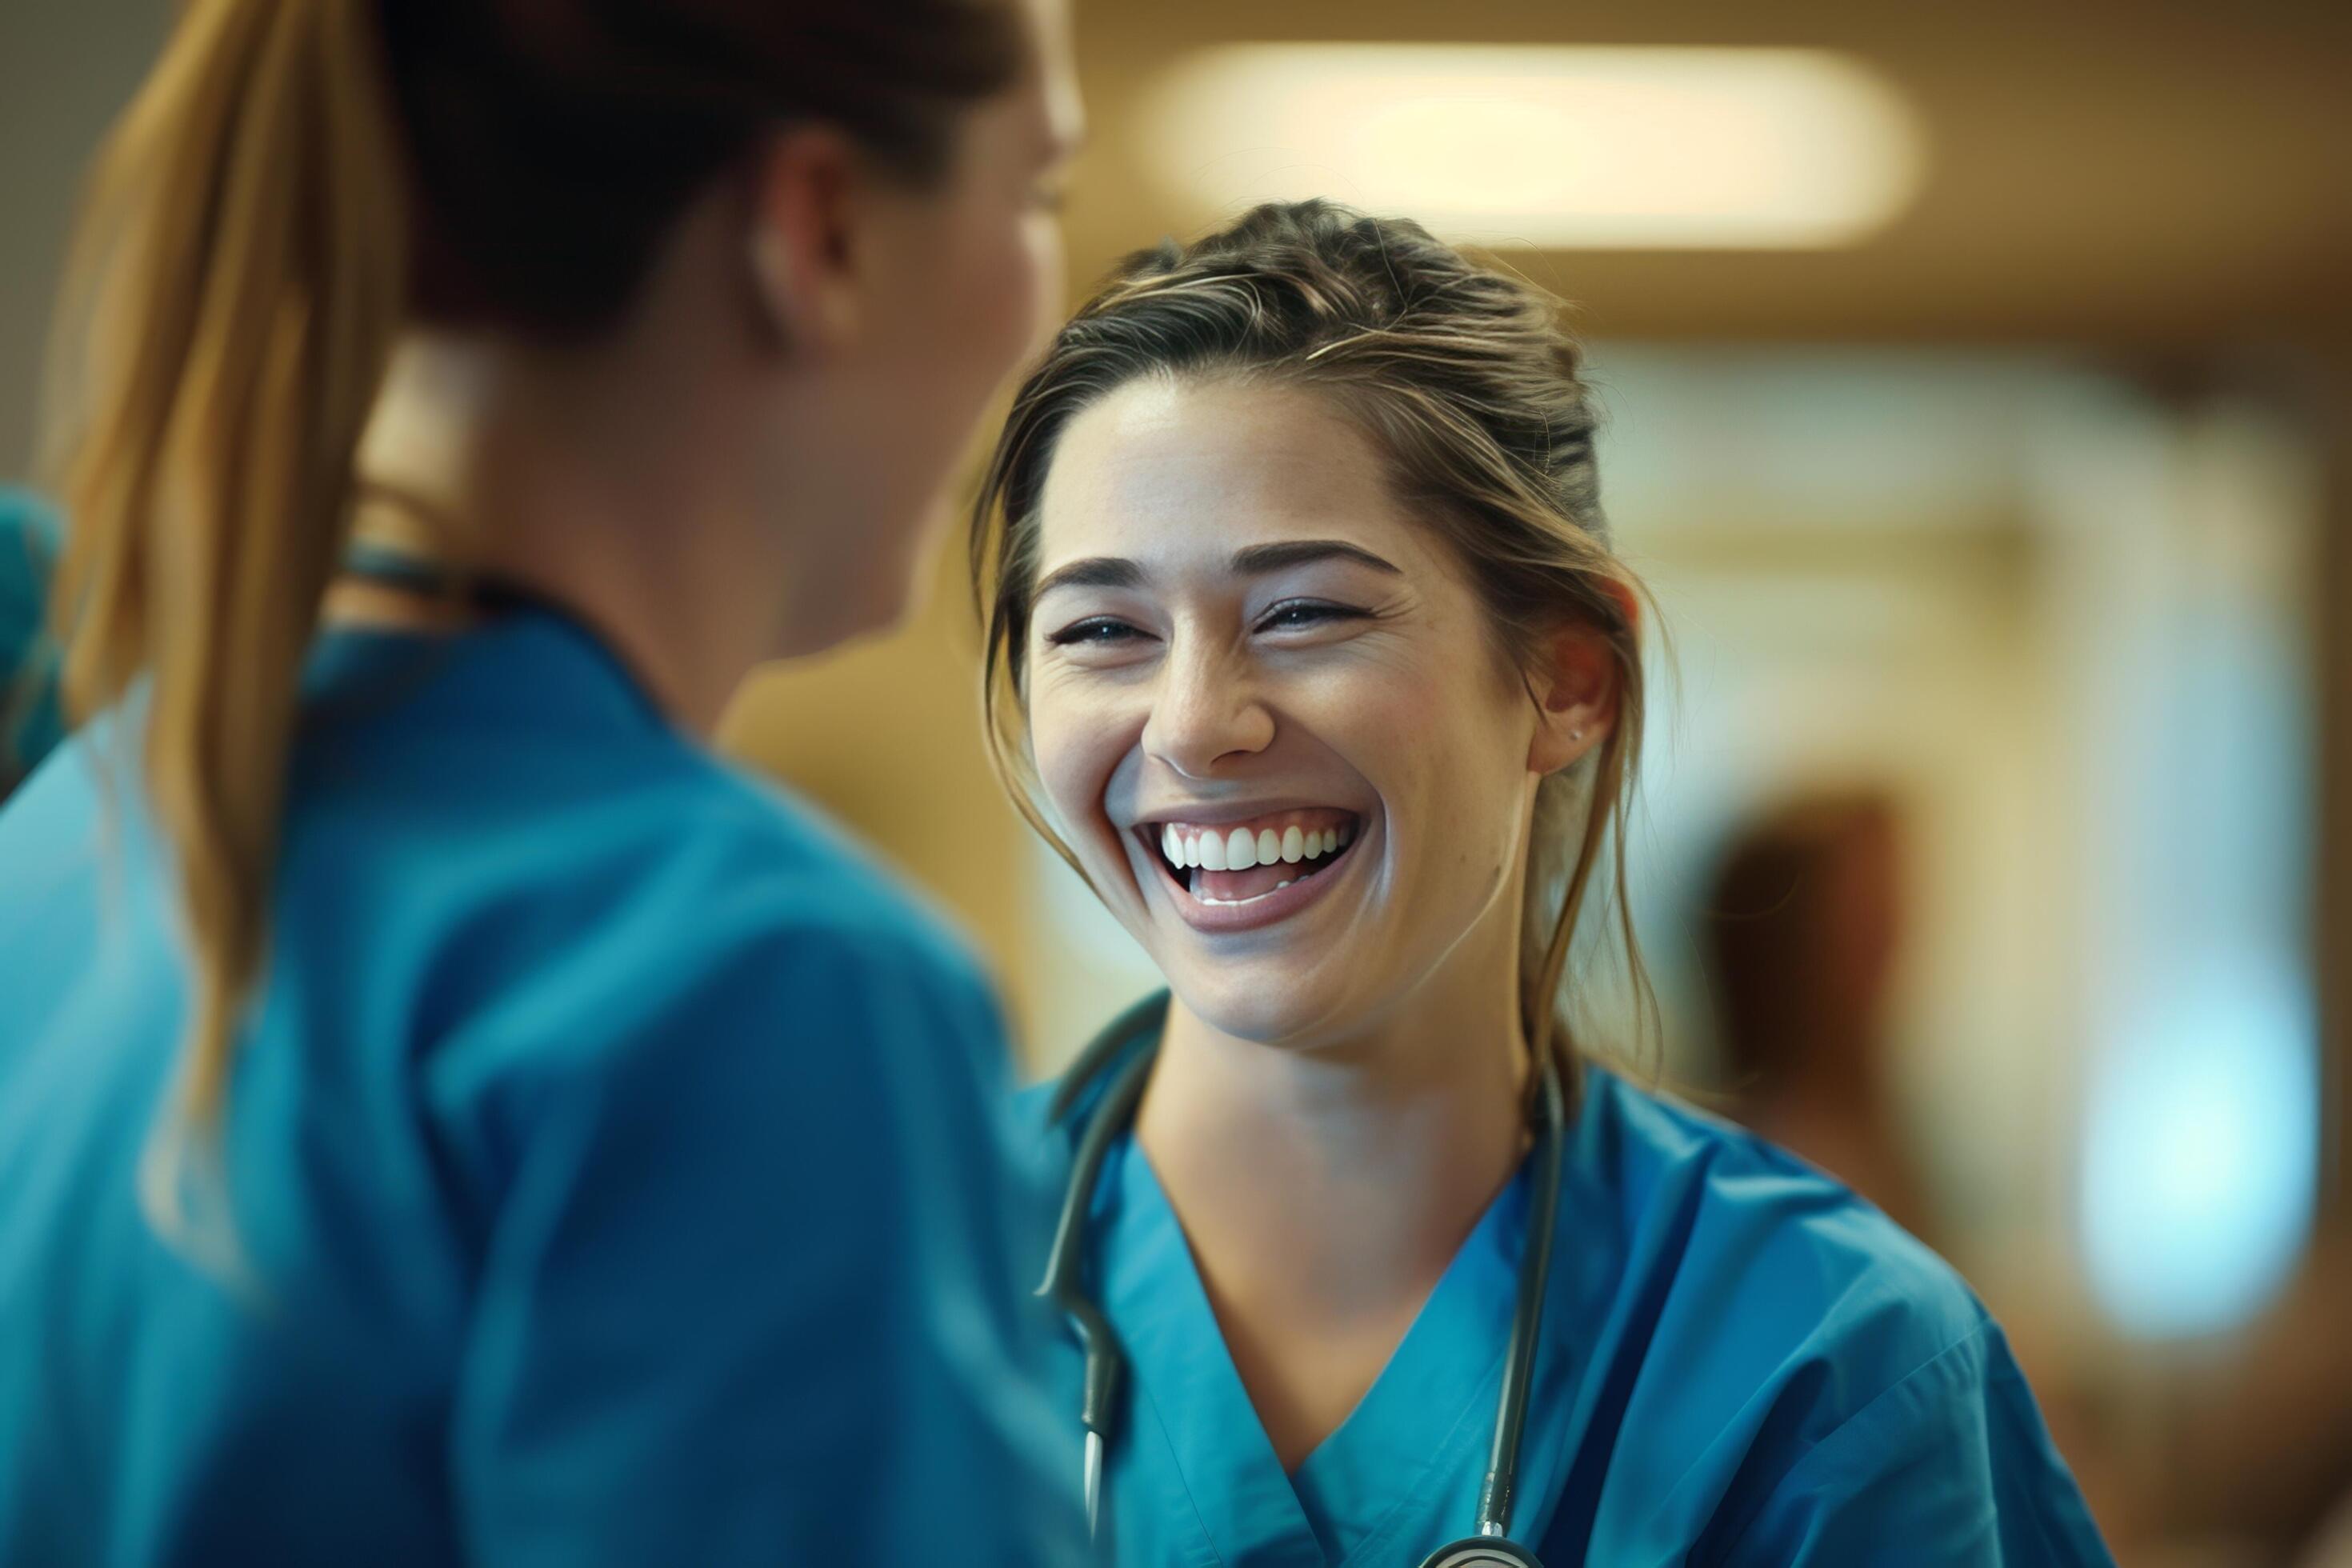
30,720
609,1149
1740,1363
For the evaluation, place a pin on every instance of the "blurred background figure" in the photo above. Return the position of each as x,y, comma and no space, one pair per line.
1804,928
29,717
1979,403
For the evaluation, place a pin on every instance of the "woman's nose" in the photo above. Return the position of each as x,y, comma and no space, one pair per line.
1206,709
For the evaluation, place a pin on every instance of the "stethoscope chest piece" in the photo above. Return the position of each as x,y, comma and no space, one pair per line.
1483,1551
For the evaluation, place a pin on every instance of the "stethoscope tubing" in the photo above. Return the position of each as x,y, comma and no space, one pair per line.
1133,1035
1065,1284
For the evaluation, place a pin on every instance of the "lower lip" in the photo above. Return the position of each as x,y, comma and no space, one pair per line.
1265,910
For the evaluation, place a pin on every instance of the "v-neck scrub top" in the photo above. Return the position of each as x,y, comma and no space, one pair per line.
616,1154
1741,1363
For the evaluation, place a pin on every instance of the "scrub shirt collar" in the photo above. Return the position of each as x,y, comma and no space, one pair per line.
1420,1431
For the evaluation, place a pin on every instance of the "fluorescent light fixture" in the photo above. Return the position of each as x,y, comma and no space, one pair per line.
1547,146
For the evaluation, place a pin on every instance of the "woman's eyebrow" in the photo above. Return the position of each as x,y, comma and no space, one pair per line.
1256,560
1093,572
1260,558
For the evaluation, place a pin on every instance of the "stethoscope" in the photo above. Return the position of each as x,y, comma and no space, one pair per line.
1137,1030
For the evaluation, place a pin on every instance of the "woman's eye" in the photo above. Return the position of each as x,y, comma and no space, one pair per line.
1100,631
1301,613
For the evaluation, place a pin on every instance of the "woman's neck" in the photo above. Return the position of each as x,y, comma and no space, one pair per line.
556,485
1323,1194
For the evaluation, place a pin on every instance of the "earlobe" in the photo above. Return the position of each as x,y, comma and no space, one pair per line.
1563,736
1575,700
818,311
771,282
837,309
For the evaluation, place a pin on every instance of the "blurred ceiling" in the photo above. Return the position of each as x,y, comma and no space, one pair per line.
2159,176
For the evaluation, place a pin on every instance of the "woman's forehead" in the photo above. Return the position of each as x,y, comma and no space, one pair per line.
1161,470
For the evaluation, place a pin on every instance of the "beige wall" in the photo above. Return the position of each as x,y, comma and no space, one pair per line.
66,69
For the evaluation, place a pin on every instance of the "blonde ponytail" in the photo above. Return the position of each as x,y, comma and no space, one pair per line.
232,295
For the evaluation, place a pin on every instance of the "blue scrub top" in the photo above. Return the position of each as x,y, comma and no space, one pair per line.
1741,1363
609,1149
30,720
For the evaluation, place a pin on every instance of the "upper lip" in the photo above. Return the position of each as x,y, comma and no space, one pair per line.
1203,815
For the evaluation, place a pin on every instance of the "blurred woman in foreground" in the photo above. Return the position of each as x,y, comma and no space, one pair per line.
1326,679
552,1145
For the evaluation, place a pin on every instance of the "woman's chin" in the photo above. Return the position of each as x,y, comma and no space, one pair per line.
1269,1004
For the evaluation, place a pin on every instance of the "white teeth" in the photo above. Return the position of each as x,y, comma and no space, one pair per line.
1284,883
1241,848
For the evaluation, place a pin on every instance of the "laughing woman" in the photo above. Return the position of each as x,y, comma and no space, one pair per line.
1316,661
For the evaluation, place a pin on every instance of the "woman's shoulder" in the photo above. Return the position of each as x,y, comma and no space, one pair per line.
511,798
1815,1268
719,872
625,885
748,961
525,745
1807,1378
797,862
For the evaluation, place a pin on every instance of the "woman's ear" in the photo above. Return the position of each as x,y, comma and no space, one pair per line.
1574,684
803,250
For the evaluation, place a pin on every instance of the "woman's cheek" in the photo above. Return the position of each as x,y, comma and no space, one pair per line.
1045,282
1071,767
1379,725
993,302
1018,299
1047,746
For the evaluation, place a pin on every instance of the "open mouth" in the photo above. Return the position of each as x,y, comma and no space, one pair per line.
1231,864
